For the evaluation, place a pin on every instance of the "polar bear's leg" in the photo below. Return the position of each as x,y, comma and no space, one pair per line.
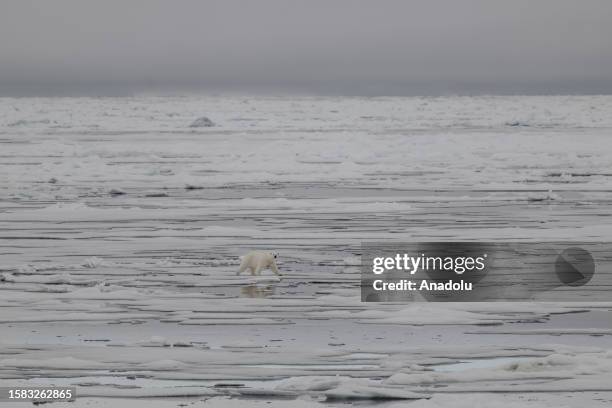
274,268
258,268
243,265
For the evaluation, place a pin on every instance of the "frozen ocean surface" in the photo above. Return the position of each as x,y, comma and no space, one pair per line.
121,228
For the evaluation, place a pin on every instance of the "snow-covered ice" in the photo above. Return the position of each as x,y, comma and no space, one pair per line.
122,226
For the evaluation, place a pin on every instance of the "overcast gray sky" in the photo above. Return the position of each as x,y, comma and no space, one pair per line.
375,47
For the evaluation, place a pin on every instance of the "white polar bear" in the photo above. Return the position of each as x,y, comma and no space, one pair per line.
257,261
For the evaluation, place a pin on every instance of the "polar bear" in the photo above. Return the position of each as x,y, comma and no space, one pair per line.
257,261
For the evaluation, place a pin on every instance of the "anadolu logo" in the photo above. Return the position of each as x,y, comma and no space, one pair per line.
575,266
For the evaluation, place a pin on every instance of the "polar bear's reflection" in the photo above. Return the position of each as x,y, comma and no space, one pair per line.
256,291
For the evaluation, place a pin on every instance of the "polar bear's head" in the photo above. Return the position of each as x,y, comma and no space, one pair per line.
275,255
